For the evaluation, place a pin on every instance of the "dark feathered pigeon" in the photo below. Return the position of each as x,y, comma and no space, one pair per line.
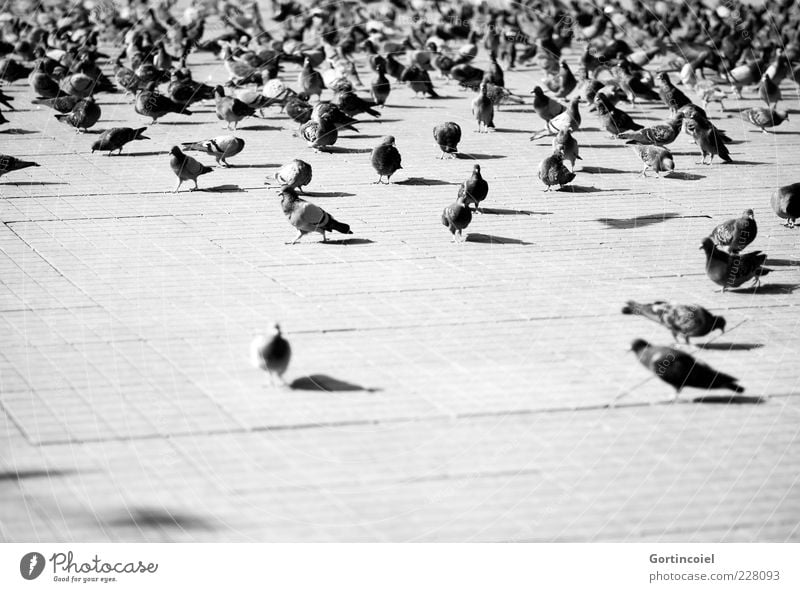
353,105
298,108
763,117
153,104
467,76
385,159
614,120
545,107
553,172
63,104
672,96
84,114
483,110
735,234
786,203
731,270
116,137
419,81
680,370
186,168
457,216
659,135
768,91
9,163
447,136
380,87
708,139
307,217
271,353
231,109
474,189
320,134
680,319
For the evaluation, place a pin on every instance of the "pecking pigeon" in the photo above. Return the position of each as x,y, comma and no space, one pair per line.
457,216
786,203
735,234
186,168
681,319
116,137
295,175
732,270
763,117
307,217
84,114
656,158
271,353
320,134
447,136
385,159
553,172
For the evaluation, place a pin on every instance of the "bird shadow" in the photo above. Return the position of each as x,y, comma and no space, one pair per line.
140,153
476,237
506,212
363,136
592,170
465,155
380,120
30,183
768,289
228,188
326,193
684,176
747,162
781,133
637,221
349,241
423,181
782,262
15,131
505,130
182,123
729,400
267,165
340,150
328,384
19,475
585,189
713,346
260,128
410,107
158,518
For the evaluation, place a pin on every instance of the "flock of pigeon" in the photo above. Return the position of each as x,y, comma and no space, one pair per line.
57,51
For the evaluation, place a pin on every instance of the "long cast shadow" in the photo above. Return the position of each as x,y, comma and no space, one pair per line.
683,176
729,400
326,193
782,262
423,181
638,221
349,241
477,237
714,346
768,289
506,212
602,170
32,474
328,384
340,150
158,518
228,188
468,156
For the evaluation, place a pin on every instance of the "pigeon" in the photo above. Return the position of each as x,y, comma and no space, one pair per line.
735,234
43,85
271,353
419,81
9,163
553,172
467,76
483,110
447,136
298,108
680,370
337,116
708,139
474,189
320,134
457,216
221,147
84,114
150,103
294,175
186,168
307,217
658,135
681,319
731,270
353,105
763,117
614,120
494,75
309,80
380,87
786,203
185,91
231,109
567,146
78,85
3,120
768,91
570,118
385,159
545,107
116,137
656,158
672,96
11,70
500,95
693,113
62,104
126,77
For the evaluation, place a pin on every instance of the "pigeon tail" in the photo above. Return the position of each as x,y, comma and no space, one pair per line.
338,226
633,307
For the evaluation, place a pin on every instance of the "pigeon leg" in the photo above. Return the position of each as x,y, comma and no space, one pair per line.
299,236
379,181
180,182
195,185
643,173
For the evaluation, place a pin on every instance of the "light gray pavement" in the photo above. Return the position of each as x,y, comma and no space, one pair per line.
479,374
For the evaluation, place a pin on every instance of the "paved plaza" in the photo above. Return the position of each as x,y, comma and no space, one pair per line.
439,391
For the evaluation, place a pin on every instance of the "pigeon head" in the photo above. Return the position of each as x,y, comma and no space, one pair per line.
639,345
719,323
175,151
537,90
667,163
138,135
96,146
432,46
388,141
303,96
784,115
219,91
748,214
707,245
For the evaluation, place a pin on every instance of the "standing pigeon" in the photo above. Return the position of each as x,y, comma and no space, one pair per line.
763,117
381,87
271,353
186,168
614,120
337,116
569,118
567,146
566,80
681,319
457,216
43,85
768,91
83,115
220,148
709,139
298,108
656,158
545,107
63,104
474,189
320,134
295,175
483,110
150,103
659,135
309,80
447,136
672,96
353,105
385,159
680,370
735,234
307,217
231,109
786,203
116,137
553,172
9,163
420,81
733,270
